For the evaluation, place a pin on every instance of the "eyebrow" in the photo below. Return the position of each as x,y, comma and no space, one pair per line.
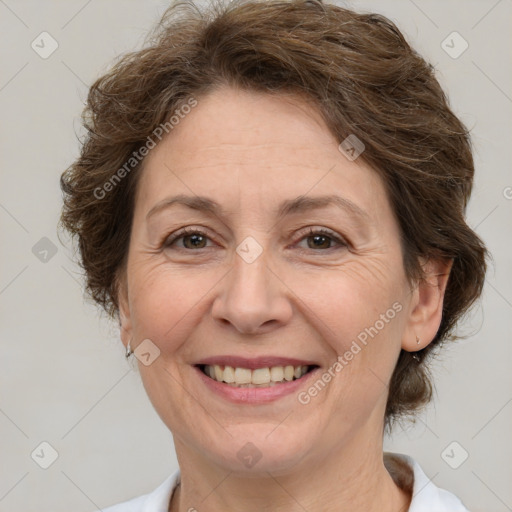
290,206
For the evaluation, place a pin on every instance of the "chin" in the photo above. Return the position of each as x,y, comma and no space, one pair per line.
261,450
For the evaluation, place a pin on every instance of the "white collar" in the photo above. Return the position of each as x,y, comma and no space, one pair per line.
426,496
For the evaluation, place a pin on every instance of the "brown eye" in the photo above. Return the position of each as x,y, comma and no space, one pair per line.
196,241
322,239
319,242
192,239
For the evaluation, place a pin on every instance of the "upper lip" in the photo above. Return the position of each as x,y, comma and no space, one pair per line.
255,362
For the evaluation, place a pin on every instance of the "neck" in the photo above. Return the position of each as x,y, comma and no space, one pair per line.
346,480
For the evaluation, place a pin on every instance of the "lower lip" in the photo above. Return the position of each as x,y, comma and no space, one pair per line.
254,395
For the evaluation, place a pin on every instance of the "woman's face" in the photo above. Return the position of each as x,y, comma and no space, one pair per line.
255,283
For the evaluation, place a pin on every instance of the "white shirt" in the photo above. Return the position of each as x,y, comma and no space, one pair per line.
426,497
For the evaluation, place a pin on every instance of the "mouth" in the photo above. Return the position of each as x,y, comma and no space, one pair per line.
259,377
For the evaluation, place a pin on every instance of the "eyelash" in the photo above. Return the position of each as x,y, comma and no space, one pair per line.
311,232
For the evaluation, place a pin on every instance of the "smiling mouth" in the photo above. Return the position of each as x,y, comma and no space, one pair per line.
257,378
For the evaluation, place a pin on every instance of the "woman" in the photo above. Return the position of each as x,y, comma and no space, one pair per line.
270,201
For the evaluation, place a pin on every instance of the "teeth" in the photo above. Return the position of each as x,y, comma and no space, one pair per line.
218,373
276,374
243,376
229,374
260,377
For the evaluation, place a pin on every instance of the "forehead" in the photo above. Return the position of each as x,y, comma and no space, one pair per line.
255,149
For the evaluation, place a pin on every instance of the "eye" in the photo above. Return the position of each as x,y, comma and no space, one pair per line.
196,239
320,239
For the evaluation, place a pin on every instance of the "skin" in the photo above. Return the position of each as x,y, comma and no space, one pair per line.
249,152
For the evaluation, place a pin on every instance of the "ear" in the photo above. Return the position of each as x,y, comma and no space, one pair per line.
125,320
426,307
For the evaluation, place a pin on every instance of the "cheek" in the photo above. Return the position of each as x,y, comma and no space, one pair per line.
166,302
346,300
359,321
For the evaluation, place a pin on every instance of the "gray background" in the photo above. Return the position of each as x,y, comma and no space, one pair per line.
63,376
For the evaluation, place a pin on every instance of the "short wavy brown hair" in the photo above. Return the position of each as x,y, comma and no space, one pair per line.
364,79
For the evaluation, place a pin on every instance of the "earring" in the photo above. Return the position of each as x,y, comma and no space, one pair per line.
128,350
415,356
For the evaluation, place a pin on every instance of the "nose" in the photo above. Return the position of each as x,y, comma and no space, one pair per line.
252,298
